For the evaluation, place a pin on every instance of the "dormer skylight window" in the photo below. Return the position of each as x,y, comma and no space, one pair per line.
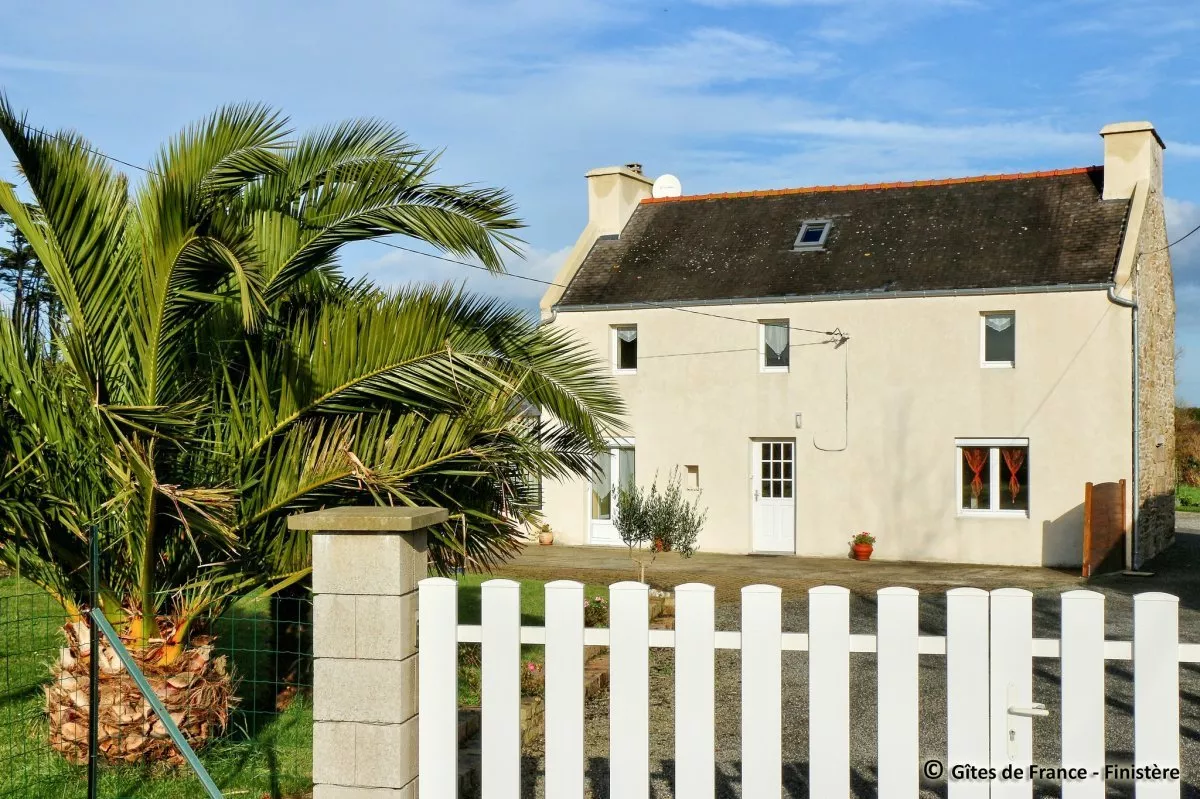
813,233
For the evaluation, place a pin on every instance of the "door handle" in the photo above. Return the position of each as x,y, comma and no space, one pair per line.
1036,710
756,496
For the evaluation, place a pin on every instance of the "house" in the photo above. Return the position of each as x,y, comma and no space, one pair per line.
943,363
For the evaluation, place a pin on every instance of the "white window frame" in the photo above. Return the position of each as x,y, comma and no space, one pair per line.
762,345
812,245
983,361
615,348
993,444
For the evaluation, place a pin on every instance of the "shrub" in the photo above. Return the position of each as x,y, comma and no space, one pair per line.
652,521
595,612
532,679
1187,446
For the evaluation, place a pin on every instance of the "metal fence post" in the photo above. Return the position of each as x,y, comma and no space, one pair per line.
93,664
367,562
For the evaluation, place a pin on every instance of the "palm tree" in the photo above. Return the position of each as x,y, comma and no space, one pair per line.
214,373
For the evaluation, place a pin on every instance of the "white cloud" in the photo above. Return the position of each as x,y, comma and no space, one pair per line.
1183,217
1182,149
853,20
1134,77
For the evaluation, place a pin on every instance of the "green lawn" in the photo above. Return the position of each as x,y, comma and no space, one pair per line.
533,614
267,754
1187,498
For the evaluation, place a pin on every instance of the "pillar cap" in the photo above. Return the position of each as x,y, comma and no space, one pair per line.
368,519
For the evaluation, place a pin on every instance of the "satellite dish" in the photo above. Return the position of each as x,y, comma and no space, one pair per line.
666,186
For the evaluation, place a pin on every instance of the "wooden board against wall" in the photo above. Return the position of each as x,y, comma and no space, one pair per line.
1103,527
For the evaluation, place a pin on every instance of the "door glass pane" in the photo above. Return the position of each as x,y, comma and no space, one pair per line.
787,451
787,470
777,451
1014,478
777,470
766,469
766,452
602,487
976,478
787,489
625,468
766,489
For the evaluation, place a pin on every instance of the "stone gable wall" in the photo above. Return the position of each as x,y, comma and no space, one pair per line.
1156,352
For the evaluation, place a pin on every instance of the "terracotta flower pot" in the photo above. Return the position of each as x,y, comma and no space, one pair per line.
546,538
862,551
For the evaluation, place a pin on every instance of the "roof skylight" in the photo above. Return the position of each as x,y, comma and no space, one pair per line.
812,235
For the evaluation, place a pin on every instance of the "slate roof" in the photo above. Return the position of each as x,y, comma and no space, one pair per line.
998,231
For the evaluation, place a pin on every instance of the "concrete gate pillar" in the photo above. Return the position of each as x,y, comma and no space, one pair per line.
366,565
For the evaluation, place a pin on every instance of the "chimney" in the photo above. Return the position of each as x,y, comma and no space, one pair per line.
613,194
1133,152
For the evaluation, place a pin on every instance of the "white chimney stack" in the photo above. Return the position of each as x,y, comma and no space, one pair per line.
1133,152
613,194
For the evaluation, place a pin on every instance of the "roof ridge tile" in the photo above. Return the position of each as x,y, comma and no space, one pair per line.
728,195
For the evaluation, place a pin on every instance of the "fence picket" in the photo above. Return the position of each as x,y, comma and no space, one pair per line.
1083,692
500,721
1011,684
897,628
629,690
437,686
564,689
967,723
695,765
762,722
1156,690
829,691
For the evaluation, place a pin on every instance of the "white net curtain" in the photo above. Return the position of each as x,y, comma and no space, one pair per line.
775,341
998,322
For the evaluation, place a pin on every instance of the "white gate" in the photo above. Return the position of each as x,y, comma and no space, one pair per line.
988,646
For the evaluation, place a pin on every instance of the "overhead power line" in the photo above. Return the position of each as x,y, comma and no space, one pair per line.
836,332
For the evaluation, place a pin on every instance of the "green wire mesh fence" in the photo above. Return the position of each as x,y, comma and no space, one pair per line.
241,692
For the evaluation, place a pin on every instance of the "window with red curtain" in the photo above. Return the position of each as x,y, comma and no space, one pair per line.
1014,478
993,477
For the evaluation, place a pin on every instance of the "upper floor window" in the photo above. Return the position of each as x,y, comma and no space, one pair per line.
998,338
773,345
812,235
624,349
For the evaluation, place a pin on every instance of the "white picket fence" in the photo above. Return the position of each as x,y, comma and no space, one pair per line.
989,649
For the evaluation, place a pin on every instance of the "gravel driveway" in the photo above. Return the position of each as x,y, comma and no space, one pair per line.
1176,574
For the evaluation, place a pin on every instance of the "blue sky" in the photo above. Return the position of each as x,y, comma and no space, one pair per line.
726,94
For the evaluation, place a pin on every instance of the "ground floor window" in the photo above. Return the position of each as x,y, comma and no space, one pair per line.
993,476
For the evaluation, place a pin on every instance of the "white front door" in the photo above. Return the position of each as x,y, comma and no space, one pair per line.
773,498
614,469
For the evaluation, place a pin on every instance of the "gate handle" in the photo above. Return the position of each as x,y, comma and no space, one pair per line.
1036,710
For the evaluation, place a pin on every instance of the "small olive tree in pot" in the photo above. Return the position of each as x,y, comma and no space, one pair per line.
650,521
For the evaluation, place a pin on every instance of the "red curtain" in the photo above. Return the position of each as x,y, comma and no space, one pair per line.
976,459
1013,458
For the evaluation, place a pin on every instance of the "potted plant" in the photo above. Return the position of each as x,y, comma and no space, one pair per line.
862,545
545,535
